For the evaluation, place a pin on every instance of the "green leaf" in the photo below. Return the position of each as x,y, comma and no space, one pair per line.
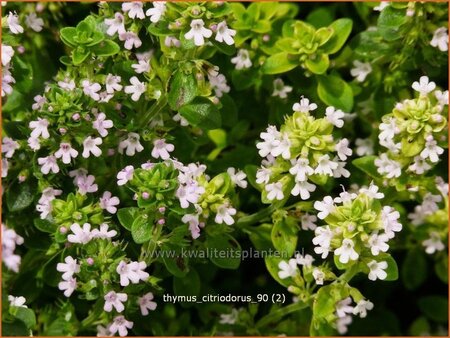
390,21
189,285
25,315
435,308
335,92
176,264
106,48
14,329
20,196
367,165
224,48
127,216
79,55
225,251
183,89
392,269
45,225
284,236
414,269
67,36
319,64
202,113
141,230
279,63
342,29
441,269
262,26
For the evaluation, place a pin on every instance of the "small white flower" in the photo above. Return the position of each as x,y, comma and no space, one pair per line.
238,178
101,124
419,166
103,232
361,308
91,89
343,307
7,54
80,235
424,86
198,32
13,23
303,189
91,147
225,34
171,41
377,270
143,66
35,23
242,60
68,268
301,169
372,191
66,153
323,240
364,146
131,40
308,221
346,251
189,194
125,175
279,89
433,244
68,286
109,202
132,272
114,300
441,97
378,243
440,39
381,6
318,275
67,84
39,128
335,117
112,83
34,143
325,166
342,324
115,25
343,150
9,146
137,88
48,164
229,318
306,260
388,167
134,9
224,214
194,224
360,70
5,166
431,150
389,217
287,269
340,171
131,144
219,84
17,301
304,106
155,13
263,175
325,207
120,325
161,149
275,191
178,118
146,303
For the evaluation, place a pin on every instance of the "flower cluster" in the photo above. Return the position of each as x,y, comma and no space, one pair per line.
303,150
10,239
358,230
414,132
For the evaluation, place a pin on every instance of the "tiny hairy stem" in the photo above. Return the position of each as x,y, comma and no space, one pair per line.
246,221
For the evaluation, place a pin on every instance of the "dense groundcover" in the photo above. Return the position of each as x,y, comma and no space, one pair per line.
221,168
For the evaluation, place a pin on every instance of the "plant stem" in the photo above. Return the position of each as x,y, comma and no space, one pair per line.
246,221
153,111
279,313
